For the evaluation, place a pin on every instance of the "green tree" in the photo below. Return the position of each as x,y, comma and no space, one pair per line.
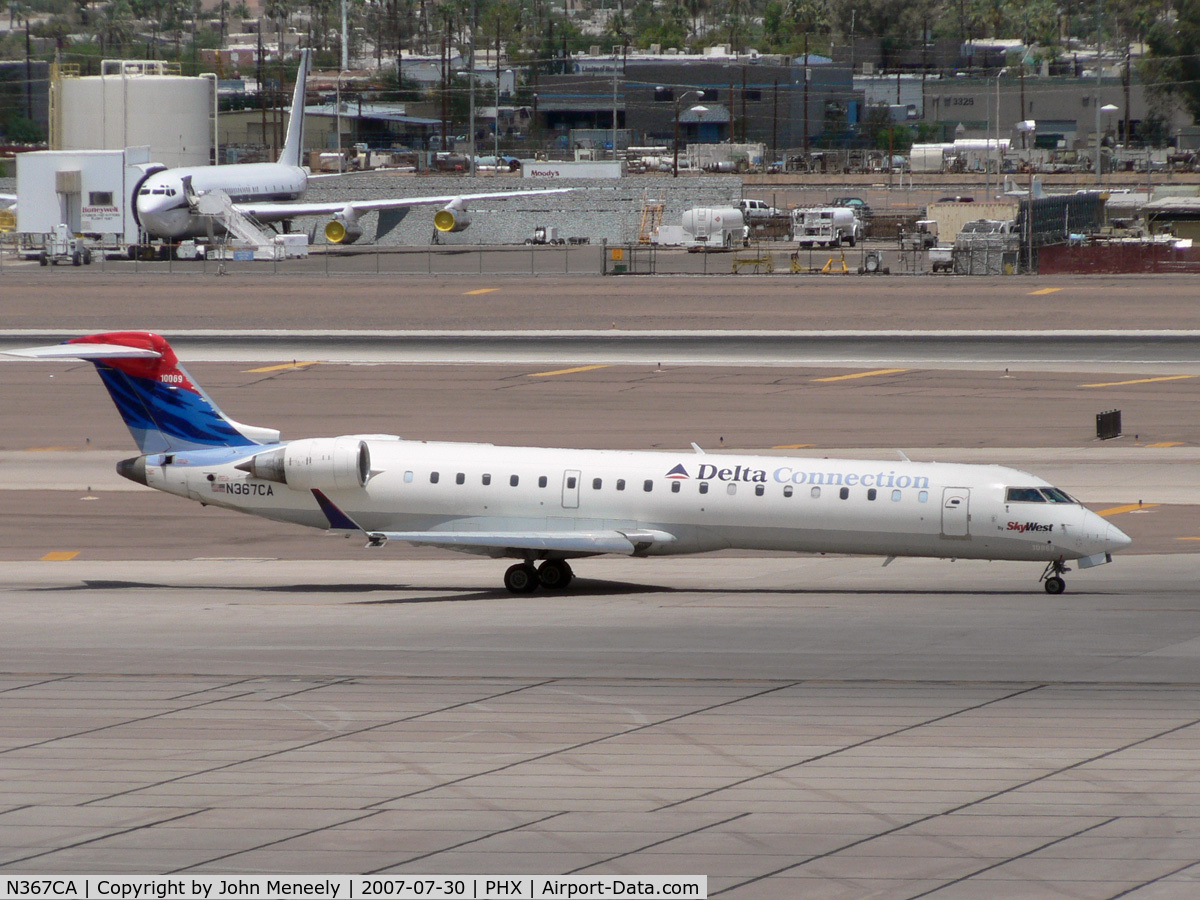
1172,67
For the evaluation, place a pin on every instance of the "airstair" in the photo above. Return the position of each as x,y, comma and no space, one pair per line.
217,204
652,216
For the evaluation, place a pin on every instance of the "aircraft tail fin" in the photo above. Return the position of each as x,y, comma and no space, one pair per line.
164,409
293,146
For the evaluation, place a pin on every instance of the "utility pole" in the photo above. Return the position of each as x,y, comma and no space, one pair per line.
806,159
471,114
614,137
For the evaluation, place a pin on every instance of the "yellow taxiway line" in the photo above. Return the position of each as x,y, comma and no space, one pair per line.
1128,507
1139,381
480,291
60,555
566,371
303,364
861,375
1044,291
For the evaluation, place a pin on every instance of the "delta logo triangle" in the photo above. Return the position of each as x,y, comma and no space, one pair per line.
678,472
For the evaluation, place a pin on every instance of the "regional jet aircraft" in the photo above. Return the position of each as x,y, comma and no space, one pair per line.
165,200
545,506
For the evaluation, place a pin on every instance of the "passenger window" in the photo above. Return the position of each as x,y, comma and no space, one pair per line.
872,493
542,481
460,478
815,493
571,482
759,490
787,490
514,480
844,493
620,484
674,487
731,489
647,485
895,496
596,484
433,477
923,497
408,477
487,479
704,487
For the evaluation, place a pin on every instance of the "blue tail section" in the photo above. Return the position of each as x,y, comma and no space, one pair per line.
163,408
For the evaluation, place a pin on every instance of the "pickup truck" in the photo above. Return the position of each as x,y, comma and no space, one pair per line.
758,209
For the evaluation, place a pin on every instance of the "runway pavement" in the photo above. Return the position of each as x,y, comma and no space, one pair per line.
184,689
792,728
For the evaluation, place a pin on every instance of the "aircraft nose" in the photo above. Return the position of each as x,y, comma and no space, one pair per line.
1116,539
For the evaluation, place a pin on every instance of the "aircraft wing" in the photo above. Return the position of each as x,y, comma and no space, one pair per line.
627,543
274,212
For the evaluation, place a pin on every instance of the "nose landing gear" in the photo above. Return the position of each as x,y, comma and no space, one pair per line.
1052,579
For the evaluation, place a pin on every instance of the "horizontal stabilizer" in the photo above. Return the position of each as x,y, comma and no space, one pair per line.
85,351
558,541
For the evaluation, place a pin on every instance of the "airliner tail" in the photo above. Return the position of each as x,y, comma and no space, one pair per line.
163,408
293,147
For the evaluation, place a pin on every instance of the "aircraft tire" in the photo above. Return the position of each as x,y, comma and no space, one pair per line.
555,574
1055,585
521,579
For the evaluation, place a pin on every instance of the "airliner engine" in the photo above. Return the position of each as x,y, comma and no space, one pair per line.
343,228
325,463
452,217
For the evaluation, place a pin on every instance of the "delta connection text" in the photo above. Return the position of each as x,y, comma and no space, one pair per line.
790,475
353,887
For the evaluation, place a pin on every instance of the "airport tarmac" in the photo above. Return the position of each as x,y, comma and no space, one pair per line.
185,689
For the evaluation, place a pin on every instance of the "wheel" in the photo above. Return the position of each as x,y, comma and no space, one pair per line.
87,257
555,574
1055,585
77,258
521,579
850,240
42,260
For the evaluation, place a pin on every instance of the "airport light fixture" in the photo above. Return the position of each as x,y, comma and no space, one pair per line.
675,162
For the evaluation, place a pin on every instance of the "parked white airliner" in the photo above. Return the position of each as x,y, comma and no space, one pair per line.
165,199
547,506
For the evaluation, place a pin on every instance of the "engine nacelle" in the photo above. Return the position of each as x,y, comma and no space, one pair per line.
451,218
340,463
340,230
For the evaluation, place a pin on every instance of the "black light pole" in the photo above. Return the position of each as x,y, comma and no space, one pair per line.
675,163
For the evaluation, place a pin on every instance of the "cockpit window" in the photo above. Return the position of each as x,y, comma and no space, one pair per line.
1054,495
1024,495
143,192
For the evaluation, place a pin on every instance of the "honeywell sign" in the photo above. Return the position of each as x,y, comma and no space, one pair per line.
556,171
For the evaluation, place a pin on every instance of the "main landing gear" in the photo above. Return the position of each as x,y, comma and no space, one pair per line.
553,575
1052,579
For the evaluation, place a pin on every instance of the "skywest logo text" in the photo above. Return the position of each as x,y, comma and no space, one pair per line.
1022,527
789,475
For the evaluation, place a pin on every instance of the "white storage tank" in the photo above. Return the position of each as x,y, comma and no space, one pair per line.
137,104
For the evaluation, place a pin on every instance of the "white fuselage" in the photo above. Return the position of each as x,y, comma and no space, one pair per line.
162,206
706,501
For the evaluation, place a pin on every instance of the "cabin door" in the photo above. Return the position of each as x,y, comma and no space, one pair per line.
570,493
956,512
